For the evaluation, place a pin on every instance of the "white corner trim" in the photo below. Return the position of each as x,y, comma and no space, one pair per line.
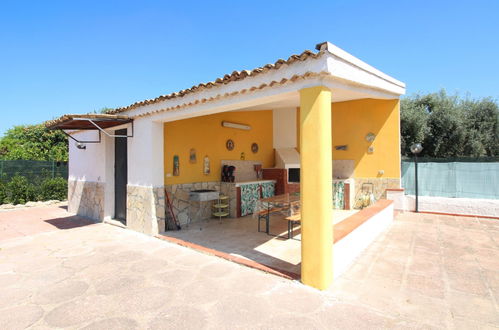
349,58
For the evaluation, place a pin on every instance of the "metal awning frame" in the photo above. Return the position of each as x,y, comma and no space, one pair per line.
100,129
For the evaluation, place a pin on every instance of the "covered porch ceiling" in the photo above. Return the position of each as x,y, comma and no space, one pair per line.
292,99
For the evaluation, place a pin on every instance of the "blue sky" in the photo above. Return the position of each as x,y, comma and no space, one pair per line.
60,57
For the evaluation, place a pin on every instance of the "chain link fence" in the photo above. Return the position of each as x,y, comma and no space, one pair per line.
32,169
457,177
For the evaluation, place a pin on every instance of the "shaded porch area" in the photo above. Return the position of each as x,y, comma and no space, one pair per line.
239,237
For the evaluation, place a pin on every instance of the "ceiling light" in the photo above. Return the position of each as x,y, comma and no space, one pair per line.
235,125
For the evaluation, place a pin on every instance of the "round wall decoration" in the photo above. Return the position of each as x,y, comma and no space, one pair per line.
370,137
254,148
229,144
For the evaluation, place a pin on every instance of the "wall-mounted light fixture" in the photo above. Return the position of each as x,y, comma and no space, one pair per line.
80,146
235,125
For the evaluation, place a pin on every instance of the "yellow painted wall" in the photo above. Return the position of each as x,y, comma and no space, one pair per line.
352,120
208,137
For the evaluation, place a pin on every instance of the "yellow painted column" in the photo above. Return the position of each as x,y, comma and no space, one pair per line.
316,187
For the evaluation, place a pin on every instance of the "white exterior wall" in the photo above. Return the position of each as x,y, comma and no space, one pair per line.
351,246
145,154
88,164
93,164
458,206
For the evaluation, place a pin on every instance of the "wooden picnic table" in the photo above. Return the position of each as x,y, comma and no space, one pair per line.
285,203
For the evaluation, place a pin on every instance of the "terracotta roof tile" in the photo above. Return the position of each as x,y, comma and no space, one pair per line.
234,76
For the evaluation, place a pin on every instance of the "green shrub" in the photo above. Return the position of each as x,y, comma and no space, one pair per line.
19,191
2,192
54,188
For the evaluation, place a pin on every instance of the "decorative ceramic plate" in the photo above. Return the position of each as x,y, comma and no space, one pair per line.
254,148
370,137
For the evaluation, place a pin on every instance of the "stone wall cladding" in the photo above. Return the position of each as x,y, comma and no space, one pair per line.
186,210
160,206
380,186
230,190
145,209
86,198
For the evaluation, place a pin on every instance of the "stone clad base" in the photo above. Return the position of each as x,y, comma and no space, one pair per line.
86,198
145,209
186,210
380,186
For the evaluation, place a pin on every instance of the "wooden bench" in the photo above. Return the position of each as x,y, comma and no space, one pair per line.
296,217
265,215
292,221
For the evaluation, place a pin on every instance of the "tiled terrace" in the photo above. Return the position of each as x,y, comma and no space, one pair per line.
426,272
240,237
442,270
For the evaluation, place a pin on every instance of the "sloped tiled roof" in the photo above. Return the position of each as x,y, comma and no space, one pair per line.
234,76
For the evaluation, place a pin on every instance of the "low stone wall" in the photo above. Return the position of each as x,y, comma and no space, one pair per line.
186,210
145,209
380,186
86,198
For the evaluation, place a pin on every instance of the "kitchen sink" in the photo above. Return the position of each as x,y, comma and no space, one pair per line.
203,195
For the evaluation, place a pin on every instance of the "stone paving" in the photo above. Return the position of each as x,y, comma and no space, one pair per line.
427,271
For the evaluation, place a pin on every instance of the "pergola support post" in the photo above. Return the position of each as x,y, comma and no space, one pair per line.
316,187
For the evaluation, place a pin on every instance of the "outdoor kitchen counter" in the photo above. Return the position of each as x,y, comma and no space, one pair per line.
238,184
244,194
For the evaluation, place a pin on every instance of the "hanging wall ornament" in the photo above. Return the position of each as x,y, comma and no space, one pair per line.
176,165
254,148
206,165
243,156
229,144
370,137
192,156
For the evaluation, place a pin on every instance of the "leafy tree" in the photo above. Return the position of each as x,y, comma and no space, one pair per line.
482,124
449,126
413,124
34,142
103,110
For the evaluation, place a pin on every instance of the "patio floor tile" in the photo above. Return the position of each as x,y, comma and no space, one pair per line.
426,272
473,307
431,286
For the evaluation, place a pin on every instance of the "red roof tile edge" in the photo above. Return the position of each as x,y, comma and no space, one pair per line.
345,227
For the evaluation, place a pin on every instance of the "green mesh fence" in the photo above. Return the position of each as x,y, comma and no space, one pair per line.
463,178
32,169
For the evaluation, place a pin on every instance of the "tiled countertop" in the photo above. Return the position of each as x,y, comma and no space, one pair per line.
238,184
